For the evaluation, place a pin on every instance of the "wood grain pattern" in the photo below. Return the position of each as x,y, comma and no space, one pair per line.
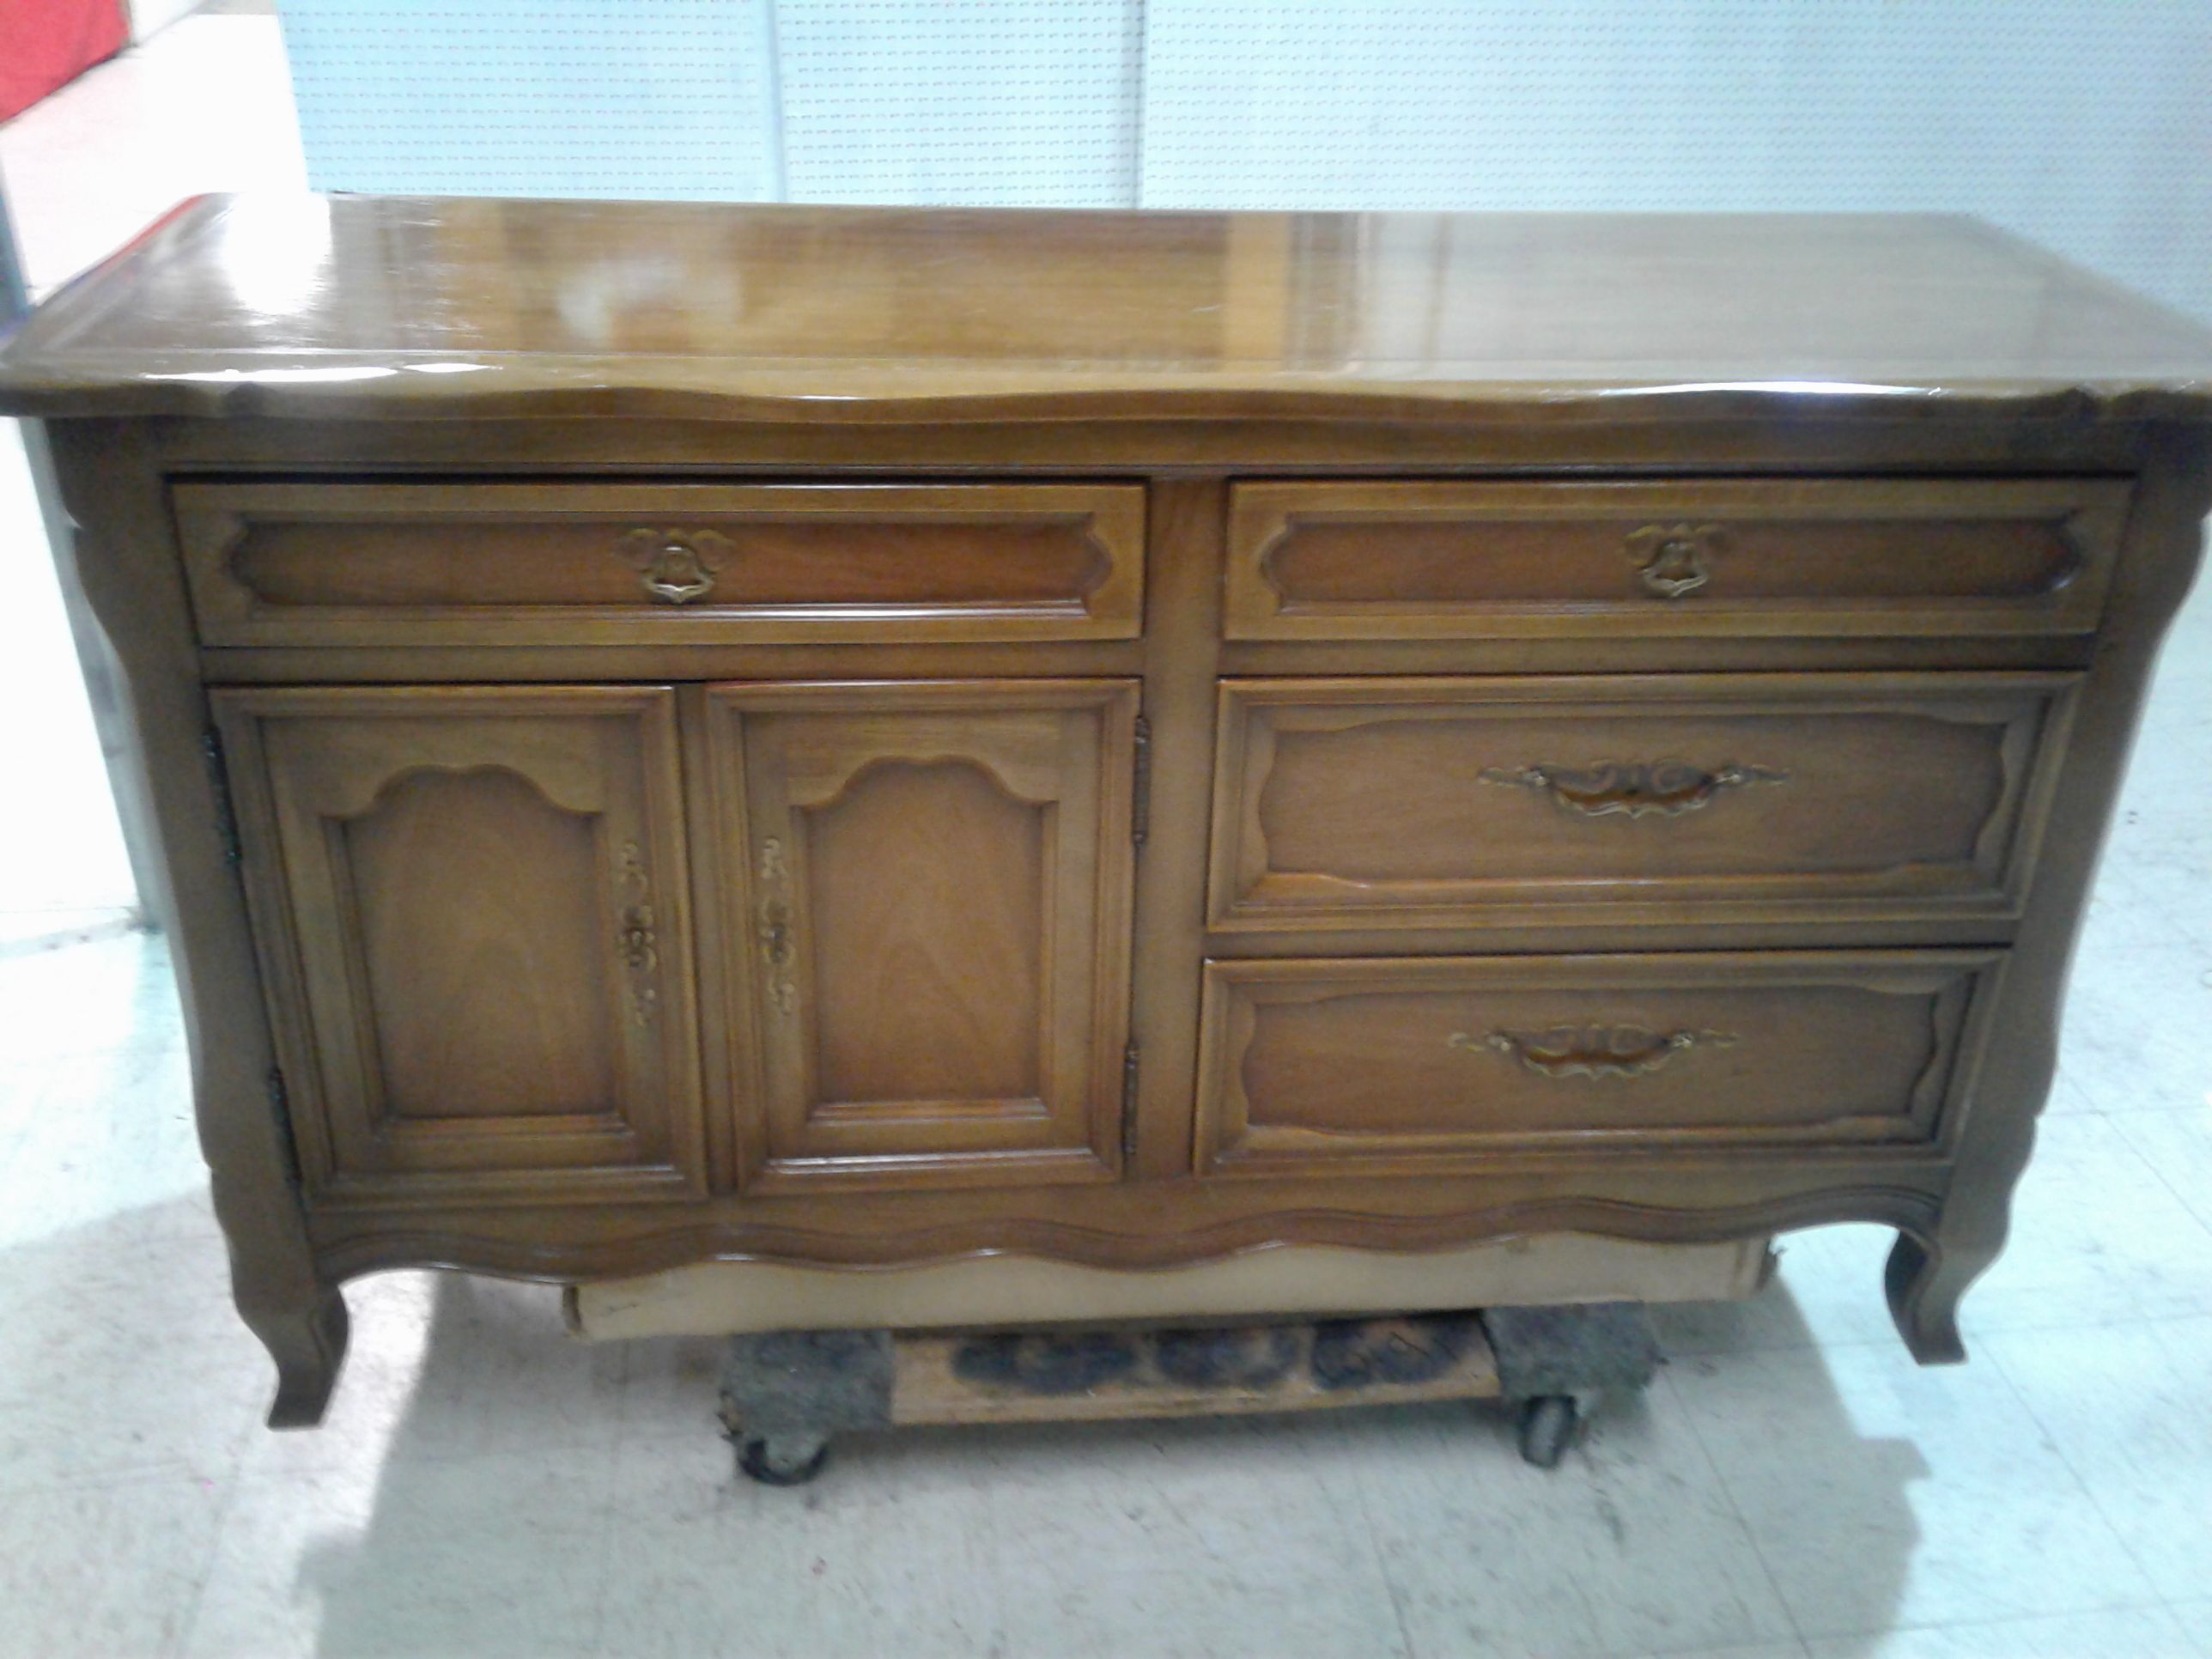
536,565
286,1293
838,316
1699,629
1624,799
926,896
1716,555
1135,1226
1929,1270
1325,1066
475,938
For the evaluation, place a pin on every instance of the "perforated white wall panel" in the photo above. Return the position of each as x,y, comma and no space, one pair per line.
1011,102
603,97
2085,125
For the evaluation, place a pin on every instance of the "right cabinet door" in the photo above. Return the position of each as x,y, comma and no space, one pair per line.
921,897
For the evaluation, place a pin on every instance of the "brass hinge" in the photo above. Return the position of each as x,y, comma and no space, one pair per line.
225,815
1141,796
1129,1060
280,1108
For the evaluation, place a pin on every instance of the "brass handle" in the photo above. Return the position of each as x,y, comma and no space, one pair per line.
1592,1051
678,566
636,945
779,950
1636,789
1671,559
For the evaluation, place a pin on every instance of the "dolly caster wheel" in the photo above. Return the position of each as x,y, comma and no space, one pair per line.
774,1464
1547,1428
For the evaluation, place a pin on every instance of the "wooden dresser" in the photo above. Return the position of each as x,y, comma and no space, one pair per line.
851,738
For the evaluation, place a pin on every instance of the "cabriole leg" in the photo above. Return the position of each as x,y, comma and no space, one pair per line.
307,1341
1924,1287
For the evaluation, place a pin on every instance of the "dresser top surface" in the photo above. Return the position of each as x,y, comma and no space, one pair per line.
356,306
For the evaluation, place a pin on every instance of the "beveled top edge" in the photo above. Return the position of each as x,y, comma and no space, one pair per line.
425,308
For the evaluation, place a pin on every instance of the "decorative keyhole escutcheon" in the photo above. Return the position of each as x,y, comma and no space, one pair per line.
779,950
637,945
677,566
1674,560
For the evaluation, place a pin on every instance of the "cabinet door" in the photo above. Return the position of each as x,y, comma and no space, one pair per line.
922,895
472,916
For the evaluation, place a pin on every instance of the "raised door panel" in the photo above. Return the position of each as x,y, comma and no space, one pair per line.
412,564
923,894
1707,557
1367,1067
472,912
1631,800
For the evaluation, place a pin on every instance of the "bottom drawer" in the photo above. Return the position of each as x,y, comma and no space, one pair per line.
1343,1066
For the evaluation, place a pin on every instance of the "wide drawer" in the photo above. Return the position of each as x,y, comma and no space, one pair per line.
1338,1067
1713,557
277,564
1631,798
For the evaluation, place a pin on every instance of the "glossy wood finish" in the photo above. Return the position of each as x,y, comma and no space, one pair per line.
1331,1066
475,939
392,308
672,564
1703,556
1621,799
922,898
338,461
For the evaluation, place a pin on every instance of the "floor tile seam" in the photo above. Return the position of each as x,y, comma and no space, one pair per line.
169,1469
1391,1588
1735,1503
226,1505
1978,1336
2082,1482
1900,1627
2202,1217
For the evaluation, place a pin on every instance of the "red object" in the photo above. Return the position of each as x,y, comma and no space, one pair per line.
45,44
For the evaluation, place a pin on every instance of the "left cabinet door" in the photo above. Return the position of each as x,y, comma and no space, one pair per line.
471,906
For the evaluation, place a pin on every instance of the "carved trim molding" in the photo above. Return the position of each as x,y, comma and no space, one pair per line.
1910,1210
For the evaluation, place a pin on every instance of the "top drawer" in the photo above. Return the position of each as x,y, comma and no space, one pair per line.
1352,560
660,564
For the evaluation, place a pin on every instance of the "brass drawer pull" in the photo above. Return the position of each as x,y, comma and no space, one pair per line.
1637,789
1592,1051
636,945
679,565
778,952
1671,559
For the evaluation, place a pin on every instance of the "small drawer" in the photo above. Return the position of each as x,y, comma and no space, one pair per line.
1349,561
1342,1067
273,564
1630,798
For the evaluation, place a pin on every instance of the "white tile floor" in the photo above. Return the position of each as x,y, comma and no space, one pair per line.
1792,1486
